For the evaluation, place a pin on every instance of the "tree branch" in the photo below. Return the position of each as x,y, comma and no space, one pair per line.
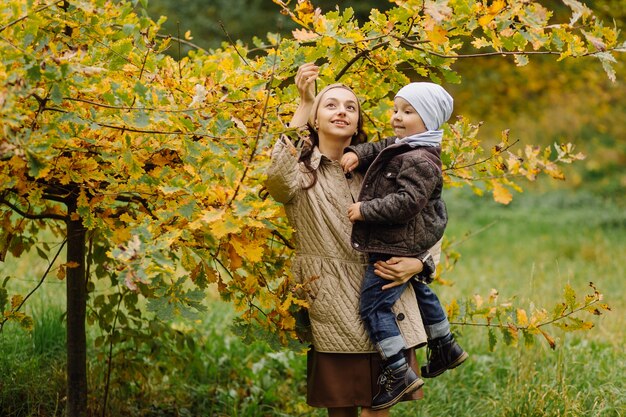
358,56
268,94
43,216
137,199
283,239
182,41
501,325
234,45
163,110
16,21
482,161
45,274
496,53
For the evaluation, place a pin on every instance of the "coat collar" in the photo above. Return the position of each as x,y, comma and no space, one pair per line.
317,157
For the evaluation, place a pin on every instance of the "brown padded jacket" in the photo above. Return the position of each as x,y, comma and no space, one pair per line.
402,208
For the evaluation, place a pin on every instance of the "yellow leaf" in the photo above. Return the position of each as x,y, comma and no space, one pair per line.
188,35
496,6
221,229
288,323
61,272
255,253
493,295
522,317
437,36
328,41
485,20
211,275
478,300
501,194
548,338
480,43
252,251
453,309
304,35
235,259
16,300
252,284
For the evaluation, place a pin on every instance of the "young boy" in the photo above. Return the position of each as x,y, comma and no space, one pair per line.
400,213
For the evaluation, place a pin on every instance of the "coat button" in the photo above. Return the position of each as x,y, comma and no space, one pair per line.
356,245
400,317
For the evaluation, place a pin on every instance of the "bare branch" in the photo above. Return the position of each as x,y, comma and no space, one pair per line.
234,45
472,234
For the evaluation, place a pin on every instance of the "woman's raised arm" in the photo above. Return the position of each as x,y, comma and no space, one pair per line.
305,81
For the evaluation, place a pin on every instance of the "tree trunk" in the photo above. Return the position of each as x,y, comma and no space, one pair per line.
76,308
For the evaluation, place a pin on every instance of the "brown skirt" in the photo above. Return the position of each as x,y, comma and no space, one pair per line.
348,379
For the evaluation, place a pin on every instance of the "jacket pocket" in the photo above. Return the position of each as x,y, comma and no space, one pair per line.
319,306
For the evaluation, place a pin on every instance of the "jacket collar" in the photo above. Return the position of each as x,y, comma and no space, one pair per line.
316,158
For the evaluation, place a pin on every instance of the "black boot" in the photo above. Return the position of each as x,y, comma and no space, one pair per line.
443,353
393,384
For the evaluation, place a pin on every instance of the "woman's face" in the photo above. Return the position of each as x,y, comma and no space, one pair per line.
405,120
337,114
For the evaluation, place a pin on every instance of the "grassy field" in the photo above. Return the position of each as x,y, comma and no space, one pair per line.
528,250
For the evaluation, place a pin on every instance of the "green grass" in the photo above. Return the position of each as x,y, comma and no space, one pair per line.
528,250
32,367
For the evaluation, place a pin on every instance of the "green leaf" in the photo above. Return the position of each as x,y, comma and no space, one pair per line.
570,297
162,307
4,298
492,339
529,339
34,73
35,164
56,95
41,253
140,89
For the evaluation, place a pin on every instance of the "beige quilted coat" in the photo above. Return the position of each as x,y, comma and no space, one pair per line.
325,261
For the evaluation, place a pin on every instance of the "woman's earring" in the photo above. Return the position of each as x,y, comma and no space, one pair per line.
316,126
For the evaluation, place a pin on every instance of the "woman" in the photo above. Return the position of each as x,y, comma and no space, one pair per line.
307,178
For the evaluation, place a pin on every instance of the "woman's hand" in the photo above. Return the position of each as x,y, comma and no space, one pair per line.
398,270
305,81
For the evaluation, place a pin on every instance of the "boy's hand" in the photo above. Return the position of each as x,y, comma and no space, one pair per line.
354,212
349,162
305,81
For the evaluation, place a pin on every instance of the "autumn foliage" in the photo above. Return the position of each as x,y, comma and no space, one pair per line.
162,160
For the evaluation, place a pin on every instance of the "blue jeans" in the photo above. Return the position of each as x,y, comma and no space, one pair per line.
380,321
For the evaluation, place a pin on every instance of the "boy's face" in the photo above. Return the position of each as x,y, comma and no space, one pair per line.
405,120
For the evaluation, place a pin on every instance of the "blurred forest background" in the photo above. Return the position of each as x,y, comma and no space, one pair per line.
544,102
